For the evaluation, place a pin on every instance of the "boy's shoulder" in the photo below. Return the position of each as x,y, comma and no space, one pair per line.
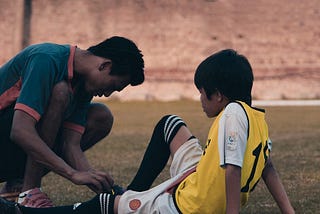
234,108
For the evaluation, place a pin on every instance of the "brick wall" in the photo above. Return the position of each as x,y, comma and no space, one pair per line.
280,38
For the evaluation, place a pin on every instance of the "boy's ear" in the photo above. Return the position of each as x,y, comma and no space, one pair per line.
105,64
220,96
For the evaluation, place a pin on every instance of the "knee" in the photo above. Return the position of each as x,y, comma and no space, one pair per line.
169,126
100,119
168,120
60,94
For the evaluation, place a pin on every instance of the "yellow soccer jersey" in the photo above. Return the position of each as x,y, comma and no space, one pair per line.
204,190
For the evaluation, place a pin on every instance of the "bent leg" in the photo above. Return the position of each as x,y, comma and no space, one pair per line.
12,157
168,135
99,125
48,128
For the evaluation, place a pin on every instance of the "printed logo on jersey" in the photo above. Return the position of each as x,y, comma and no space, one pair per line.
232,141
134,204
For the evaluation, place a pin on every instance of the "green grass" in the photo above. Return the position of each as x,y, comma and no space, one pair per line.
295,132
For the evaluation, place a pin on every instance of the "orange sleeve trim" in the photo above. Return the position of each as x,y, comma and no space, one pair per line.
70,61
74,127
10,95
33,113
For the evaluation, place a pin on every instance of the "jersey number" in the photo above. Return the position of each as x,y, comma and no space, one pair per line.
256,153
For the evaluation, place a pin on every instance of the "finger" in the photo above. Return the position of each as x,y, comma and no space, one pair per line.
106,176
96,183
110,180
106,180
105,184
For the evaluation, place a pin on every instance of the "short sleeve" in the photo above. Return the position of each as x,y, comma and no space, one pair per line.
38,79
233,135
78,118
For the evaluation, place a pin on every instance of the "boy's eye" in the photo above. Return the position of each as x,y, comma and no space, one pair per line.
101,67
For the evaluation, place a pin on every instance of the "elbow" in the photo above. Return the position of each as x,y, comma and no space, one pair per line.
17,135
268,170
14,135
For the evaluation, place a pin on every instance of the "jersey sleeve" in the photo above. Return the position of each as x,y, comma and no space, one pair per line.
78,118
233,134
37,82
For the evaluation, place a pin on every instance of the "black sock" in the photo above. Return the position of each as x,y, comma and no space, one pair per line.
106,203
51,210
157,153
92,206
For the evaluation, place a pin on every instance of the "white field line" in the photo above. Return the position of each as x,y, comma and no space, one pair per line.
254,102
286,102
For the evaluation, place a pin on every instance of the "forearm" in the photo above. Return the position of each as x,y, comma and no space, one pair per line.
233,179
37,149
75,157
72,152
275,187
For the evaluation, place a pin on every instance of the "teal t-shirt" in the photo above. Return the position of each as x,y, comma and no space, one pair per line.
29,77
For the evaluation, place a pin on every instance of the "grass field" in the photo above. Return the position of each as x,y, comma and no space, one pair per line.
295,132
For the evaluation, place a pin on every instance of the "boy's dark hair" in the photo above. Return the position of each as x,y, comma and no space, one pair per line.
227,72
125,55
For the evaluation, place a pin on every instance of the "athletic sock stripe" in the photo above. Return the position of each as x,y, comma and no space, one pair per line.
173,128
101,203
108,203
104,203
169,122
170,125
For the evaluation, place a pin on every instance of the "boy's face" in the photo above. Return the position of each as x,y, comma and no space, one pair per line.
213,106
100,83
109,85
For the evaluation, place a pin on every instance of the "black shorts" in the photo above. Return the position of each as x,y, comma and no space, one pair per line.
12,157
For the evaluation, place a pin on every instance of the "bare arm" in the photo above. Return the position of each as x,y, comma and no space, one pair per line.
76,158
24,134
72,152
233,179
275,187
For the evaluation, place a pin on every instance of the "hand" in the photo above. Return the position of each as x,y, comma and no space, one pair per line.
96,180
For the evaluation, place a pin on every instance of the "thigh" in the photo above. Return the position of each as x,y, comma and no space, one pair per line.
154,200
99,125
12,157
186,157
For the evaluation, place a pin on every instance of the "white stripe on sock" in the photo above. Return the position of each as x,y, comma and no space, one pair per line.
108,204
171,127
168,124
101,206
178,122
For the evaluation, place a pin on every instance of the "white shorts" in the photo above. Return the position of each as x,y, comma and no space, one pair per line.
156,199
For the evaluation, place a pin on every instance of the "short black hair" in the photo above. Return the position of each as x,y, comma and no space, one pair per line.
125,56
227,72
